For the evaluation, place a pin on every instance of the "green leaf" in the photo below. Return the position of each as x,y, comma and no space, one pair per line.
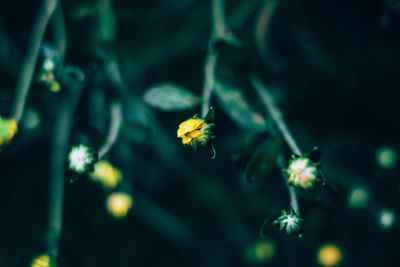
170,97
263,159
236,106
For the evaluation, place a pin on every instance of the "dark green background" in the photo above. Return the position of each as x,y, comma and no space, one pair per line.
335,69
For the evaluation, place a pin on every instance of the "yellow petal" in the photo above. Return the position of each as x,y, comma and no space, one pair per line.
189,125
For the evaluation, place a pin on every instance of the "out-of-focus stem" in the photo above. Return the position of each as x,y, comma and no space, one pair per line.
281,126
59,32
209,79
29,62
218,30
219,27
116,120
275,113
59,149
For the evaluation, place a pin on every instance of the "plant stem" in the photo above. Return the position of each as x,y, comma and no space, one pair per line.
294,203
59,149
209,77
218,30
281,126
29,63
219,27
275,113
116,120
59,32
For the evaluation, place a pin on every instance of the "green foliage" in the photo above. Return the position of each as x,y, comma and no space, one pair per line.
263,159
170,97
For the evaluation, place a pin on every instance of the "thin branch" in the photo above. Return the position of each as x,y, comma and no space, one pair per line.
275,113
29,63
209,77
294,203
281,126
116,120
59,149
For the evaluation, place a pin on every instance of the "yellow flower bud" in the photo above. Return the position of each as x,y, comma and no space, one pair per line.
106,174
329,255
194,132
8,128
119,204
43,261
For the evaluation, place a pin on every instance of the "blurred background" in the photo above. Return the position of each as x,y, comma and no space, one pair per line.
333,68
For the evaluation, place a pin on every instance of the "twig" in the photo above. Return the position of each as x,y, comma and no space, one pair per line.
209,77
275,113
279,122
294,203
29,63
116,120
61,135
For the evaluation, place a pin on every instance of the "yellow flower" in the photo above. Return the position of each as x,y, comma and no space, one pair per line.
8,128
329,255
119,204
106,174
194,132
43,261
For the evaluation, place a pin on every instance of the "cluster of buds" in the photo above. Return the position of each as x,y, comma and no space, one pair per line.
290,223
197,132
303,172
43,261
8,129
81,159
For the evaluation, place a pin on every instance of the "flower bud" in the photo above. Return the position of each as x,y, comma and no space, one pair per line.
81,159
303,173
290,222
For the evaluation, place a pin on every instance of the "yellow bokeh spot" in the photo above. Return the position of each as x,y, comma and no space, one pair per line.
8,128
54,86
43,261
329,255
263,251
119,204
106,174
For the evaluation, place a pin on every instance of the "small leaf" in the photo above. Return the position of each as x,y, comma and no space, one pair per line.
170,97
209,118
235,105
263,159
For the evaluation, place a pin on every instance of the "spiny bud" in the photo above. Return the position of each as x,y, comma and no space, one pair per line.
290,222
81,159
